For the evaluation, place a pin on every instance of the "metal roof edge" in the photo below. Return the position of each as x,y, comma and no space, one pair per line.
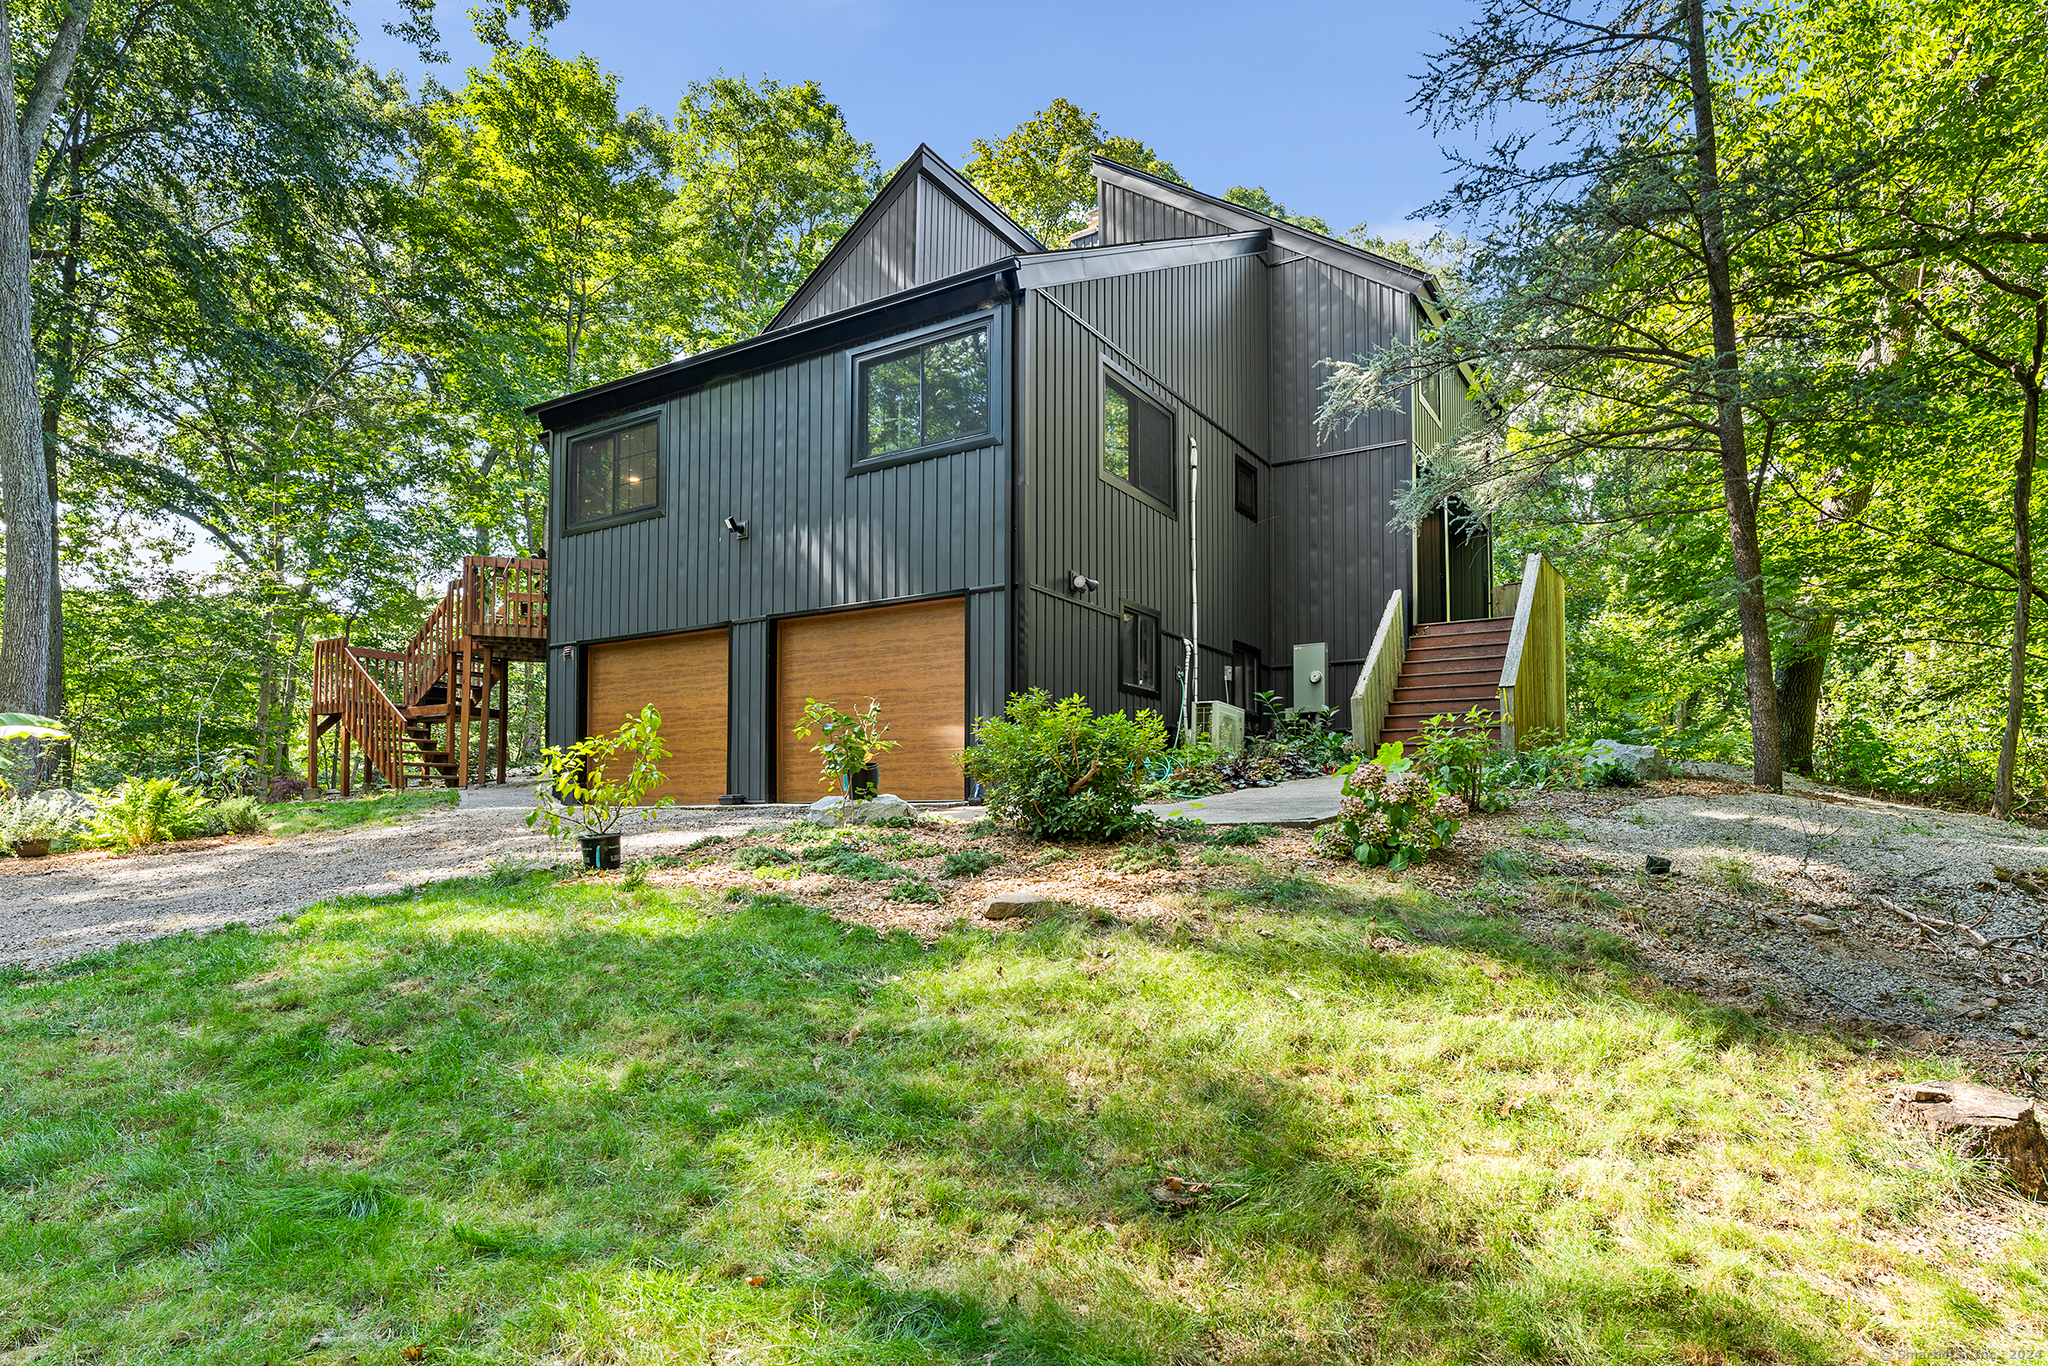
766,349
1328,250
1130,258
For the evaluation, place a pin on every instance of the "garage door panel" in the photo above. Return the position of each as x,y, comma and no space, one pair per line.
912,659
684,679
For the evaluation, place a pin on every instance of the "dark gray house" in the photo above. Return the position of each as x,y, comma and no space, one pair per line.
958,464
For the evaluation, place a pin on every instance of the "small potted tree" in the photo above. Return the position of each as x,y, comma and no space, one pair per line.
580,795
849,746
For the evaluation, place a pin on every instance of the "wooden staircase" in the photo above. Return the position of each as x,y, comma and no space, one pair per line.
1450,668
423,714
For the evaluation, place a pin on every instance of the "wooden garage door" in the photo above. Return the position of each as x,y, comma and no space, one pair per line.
684,678
913,659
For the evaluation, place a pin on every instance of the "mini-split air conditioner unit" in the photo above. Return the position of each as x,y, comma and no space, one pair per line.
1222,723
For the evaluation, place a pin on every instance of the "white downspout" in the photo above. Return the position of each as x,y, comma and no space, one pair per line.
1190,688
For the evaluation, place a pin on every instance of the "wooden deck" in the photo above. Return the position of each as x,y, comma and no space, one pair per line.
423,714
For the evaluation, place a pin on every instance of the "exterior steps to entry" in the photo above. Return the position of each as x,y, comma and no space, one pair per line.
1450,668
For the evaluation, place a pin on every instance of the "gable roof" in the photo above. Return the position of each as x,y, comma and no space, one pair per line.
1288,236
922,164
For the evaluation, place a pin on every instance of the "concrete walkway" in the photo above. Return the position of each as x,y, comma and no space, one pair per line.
1305,801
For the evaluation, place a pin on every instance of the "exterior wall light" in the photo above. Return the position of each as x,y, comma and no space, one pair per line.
736,527
1077,582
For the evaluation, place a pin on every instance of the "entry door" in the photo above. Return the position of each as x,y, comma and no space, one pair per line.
912,659
684,678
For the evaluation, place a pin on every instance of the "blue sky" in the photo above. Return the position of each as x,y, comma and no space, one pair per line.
1310,103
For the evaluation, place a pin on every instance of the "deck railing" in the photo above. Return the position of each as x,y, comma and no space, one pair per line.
505,596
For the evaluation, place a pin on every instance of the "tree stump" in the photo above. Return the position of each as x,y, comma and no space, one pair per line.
2008,1130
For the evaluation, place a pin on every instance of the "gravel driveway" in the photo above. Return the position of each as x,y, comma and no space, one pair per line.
53,909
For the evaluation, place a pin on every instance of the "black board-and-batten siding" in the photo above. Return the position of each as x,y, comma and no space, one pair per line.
1223,317
774,450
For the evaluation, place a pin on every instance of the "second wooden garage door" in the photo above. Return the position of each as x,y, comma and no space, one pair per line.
684,679
913,659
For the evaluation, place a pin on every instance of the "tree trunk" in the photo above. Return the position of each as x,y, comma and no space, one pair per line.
1744,549
1799,686
24,477
2023,566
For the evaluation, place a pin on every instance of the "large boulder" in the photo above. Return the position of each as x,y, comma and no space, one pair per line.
831,811
2010,1131
1642,760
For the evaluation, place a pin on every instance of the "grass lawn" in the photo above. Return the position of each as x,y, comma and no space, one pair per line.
344,813
544,1118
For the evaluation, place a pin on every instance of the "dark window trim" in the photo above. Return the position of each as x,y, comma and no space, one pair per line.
1245,466
1173,442
567,483
913,341
1123,682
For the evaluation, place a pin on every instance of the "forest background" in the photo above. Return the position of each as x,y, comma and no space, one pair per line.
289,308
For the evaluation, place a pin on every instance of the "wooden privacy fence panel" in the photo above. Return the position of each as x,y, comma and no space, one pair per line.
1532,678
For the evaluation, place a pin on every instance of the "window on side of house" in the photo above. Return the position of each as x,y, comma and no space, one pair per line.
1137,440
1138,651
924,397
1247,488
615,473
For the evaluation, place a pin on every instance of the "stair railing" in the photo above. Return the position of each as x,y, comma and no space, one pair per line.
368,715
1377,680
1532,676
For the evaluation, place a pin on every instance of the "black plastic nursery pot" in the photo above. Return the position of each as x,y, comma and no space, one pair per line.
600,852
864,784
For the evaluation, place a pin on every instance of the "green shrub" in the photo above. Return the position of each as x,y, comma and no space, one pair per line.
761,857
915,889
242,815
1143,858
969,863
36,818
1059,771
1390,813
858,866
148,811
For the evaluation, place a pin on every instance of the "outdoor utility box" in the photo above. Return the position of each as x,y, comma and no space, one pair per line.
1223,724
1311,677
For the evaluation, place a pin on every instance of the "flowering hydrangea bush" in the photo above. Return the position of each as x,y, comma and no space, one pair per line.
1390,814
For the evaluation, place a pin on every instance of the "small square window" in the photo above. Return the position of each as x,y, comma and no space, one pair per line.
1248,489
614,474
1138,651
1137,440
930,395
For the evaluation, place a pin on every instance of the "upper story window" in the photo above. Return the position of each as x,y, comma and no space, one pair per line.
1137,440
615,473
1247,488
923,397
1430,392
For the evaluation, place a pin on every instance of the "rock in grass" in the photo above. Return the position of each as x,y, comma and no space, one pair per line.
2010,1131
1010,905
831,811
1819,924
1656,865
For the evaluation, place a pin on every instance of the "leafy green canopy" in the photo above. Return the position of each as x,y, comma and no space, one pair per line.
1039,173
